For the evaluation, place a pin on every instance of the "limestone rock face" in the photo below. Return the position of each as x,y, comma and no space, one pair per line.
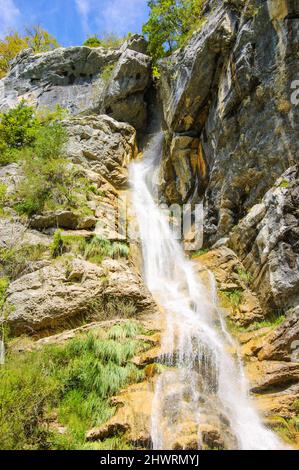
267,241
102,145
63,292
230,88
283,343
82,79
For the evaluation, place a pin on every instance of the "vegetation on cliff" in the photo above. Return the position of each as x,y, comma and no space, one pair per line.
49,398
170,25
35,38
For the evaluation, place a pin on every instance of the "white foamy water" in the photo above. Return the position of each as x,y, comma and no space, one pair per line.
203,382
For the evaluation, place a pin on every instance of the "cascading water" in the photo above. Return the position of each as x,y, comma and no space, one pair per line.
202,385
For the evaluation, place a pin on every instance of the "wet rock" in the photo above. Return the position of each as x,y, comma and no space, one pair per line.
241,303
133,416
267,376
108,430
59,219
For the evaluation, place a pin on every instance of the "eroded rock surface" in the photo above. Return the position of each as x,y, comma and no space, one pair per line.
83,79
267,241
229,91
103,145
71,290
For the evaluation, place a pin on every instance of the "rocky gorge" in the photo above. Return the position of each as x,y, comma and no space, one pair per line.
230,137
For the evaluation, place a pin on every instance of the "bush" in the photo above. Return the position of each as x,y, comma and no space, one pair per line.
17,127
73,381
92,41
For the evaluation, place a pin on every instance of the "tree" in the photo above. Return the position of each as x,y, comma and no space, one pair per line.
35,38
10,46
39,40
170,24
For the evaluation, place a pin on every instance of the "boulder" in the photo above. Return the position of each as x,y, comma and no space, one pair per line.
15,234
283,343
102,145
70,290
267,242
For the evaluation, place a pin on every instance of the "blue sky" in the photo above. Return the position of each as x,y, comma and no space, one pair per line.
71,21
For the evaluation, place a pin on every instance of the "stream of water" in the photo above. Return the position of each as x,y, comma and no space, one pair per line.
202,390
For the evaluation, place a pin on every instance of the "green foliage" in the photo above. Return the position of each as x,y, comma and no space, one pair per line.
288,429
170,24
92,41
107,72
270,322
13,260
35,38
56,247
108,40
284,184
4,283
156,72
234,297
3,190
197,254
94,249
47,176
17,127
245,276
38,140
98,248
73,381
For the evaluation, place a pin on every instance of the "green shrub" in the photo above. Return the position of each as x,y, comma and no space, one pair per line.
56,247
17,127
92,41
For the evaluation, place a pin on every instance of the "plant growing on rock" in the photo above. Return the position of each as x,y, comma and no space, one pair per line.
71,382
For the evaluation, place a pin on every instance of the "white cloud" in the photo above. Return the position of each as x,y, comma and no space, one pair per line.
9,15
121,16
84,9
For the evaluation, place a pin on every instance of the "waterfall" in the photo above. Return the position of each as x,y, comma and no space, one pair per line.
202,385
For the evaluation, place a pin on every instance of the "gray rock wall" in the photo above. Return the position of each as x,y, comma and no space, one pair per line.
229,90
83,80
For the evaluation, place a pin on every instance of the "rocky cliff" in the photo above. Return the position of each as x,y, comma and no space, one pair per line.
230,140
232,129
